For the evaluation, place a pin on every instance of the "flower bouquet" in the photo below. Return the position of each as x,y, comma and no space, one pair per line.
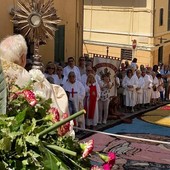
35,136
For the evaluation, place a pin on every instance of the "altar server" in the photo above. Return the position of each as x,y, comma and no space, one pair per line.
91,103
76,93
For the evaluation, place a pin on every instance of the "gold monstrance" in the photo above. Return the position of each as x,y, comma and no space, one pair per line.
36,20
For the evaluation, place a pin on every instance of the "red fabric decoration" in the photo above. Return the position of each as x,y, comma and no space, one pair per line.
72,92
92,101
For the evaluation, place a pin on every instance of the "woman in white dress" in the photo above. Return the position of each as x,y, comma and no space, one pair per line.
139,89
155,93
130,84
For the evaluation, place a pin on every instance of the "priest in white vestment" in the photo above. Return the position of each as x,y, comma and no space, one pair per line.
13,52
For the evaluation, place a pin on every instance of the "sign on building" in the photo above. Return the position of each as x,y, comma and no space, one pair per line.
126,54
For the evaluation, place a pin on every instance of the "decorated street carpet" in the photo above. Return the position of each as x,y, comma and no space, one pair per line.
160,116
135,154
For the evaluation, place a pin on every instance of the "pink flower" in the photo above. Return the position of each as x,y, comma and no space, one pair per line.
106,166
64,115
112,158
87,148
55,114
109,160
30,97
64,128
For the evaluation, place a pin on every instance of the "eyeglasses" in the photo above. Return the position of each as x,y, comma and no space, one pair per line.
70,61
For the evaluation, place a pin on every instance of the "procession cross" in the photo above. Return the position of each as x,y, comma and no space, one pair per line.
72,92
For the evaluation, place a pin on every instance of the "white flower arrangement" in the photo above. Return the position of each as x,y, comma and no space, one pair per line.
36,75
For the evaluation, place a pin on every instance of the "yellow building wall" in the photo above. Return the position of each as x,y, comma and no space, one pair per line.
6,26
100,49
144,57
115,24
155,56
71,14
161,30
166,59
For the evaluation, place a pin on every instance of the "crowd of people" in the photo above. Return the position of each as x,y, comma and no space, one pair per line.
73,88
134,88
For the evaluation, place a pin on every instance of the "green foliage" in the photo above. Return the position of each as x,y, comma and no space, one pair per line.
53,163
21,147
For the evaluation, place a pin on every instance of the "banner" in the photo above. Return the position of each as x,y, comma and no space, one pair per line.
107,65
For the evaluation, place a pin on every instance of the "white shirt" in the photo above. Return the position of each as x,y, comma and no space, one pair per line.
141,84
76,92
148,82
54,76
75,69
130,82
